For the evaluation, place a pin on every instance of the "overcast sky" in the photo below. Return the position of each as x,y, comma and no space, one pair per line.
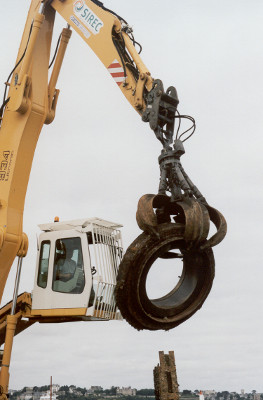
97,158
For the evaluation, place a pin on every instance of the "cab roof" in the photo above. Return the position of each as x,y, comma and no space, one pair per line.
78,224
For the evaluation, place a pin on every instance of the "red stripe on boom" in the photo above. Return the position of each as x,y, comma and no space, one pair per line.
115,65
117,74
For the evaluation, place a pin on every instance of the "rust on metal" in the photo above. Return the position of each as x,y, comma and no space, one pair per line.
195,215
145,216
219,220
196,220
172,229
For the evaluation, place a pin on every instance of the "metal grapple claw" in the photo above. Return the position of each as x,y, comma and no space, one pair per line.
180,221
193,214
219,221
145,215
197,221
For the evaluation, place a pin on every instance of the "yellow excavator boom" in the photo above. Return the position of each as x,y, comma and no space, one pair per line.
32,99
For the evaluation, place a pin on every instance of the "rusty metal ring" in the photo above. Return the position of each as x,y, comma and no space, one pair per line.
195,215
179,304
196,218
219,221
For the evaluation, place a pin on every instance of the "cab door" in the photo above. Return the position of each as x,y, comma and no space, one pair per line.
63,275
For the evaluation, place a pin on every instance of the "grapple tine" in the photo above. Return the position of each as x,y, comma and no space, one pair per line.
196,220
219,221
145,215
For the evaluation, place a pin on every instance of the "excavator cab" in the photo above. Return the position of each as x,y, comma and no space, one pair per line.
77,266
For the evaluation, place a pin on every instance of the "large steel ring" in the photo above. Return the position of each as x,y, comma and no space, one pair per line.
179,304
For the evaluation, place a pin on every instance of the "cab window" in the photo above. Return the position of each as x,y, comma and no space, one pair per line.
68,273
43,264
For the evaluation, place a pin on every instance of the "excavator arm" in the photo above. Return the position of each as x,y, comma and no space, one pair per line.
32,98
108,36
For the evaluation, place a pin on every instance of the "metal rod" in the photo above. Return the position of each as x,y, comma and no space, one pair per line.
38,21
18,274
65,36
42,7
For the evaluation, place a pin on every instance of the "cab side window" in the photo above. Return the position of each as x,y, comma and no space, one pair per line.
43,264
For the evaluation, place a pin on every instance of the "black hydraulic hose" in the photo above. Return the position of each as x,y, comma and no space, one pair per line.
121,56
5,101
23,55
2,108
100,4
56,50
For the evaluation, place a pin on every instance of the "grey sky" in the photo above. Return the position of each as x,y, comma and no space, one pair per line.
98,158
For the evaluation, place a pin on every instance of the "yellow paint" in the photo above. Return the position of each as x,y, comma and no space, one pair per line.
33,102
19,133
59,312
103,46
100,314
11,322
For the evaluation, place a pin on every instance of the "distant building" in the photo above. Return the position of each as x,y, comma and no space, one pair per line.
27,395
126,391
37,395
55,388
46,396
95,389
256,396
